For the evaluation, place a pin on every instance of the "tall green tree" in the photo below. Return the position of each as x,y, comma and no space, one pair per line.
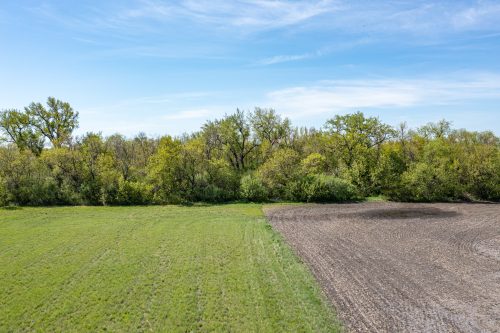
438,130
56,122
232,136
256,156
271,131
16,126
353,134
357,140
270,127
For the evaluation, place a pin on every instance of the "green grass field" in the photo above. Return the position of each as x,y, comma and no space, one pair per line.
175,269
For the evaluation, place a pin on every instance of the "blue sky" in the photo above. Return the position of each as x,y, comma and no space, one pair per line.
166,66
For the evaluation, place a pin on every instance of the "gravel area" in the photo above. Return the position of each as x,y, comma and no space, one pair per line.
399,267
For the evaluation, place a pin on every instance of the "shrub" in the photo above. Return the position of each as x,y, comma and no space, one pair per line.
133,193
211,193
67,195
252,189
314,163
28,180
4,194
279,170
219,183
294,189
36,191
480,171
360,175
324,188
388,172
424,182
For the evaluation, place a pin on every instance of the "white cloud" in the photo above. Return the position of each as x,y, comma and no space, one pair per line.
348,95
482,15
255,13
337,47
247,16
186,112
284,58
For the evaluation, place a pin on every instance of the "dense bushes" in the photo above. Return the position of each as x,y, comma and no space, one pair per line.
424,182
133,193
4,194
310,188
323,188
252,189
447,169
279,171
255,157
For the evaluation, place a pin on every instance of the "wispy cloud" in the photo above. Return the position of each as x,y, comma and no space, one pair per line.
260,14
285,58
482,15
335,47
417,17
246,16
348,95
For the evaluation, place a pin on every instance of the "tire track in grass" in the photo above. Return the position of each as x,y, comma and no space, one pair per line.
163,262
43,276
174,295
138,289
175,269
79,283
63,295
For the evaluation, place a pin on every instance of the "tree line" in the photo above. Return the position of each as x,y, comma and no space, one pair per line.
254,156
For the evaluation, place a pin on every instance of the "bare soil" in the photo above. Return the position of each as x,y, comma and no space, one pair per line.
397,267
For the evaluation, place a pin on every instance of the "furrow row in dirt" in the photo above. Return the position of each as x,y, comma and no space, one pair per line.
398,267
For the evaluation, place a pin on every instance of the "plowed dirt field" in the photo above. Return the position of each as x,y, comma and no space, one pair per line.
397,267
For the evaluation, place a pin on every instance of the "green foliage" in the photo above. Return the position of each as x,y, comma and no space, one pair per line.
4,193
438,130
479,159
218,182
65,167
356,141
314,163
279,170
360,174
324,188
18,129
164,169
353,135
387,174
56,122
251,155
230,138
271,131
108,179
252,189
133,193
424,182
28,180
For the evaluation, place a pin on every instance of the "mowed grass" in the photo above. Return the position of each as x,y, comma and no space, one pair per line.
163,268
